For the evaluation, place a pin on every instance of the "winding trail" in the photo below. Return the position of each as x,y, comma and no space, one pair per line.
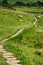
12,36
35,22
10,59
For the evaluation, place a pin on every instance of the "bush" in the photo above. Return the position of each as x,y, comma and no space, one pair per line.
4,3
38,52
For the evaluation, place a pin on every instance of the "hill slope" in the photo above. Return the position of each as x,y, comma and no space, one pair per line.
27,46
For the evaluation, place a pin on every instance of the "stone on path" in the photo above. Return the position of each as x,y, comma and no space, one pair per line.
10,59
20,16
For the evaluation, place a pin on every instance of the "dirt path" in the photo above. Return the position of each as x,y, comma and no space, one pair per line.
35,22
41,50
14,35
10,59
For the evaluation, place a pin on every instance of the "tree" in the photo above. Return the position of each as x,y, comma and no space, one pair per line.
4,2
38,2
20,3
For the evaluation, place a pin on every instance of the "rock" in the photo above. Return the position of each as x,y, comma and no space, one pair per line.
20,20
39,16
20,16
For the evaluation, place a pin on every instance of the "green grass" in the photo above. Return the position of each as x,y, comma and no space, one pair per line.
25,46
40,21
30,9
10,22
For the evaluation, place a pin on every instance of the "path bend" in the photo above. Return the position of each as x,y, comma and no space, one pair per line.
10,59
12,36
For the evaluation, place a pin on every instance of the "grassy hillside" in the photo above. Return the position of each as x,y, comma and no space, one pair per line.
28,49
27,46
11,22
